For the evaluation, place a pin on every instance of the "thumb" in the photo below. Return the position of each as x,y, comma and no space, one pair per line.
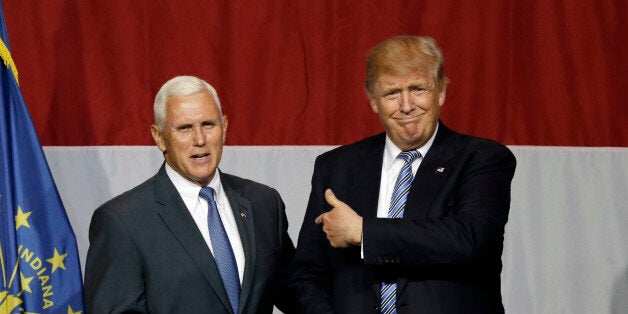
331,198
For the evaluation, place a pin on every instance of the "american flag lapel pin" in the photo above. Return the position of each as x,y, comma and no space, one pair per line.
440,169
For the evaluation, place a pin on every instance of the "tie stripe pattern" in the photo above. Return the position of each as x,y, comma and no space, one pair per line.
397,204
223,253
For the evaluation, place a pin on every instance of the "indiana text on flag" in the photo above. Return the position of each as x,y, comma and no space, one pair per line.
38,254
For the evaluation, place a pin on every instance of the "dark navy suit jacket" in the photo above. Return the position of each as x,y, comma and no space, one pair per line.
445,253
147,255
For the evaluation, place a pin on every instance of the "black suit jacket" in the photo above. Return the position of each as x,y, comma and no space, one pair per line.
147,255
445,253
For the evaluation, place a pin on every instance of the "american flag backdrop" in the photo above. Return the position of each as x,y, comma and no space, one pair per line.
545,77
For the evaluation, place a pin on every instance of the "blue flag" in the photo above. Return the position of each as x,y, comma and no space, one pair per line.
39,259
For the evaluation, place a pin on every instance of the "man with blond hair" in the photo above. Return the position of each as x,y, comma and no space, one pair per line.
410,220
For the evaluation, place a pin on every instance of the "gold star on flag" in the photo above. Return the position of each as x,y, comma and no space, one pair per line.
26,283
21,219
70,311
57,261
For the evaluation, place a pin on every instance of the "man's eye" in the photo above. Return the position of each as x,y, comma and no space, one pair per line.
184,128
391,95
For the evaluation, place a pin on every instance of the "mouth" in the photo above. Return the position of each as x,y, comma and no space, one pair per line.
410,119
200,157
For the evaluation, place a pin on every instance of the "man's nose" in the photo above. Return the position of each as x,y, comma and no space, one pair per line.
405,102
198,136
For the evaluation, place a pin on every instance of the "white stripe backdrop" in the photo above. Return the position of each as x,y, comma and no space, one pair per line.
565,249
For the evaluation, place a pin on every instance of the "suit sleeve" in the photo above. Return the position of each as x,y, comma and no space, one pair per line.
465,222
283,297
312,274
114,280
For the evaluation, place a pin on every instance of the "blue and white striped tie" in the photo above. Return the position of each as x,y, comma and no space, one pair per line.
395,210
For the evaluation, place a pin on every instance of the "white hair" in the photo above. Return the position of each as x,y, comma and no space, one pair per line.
180,86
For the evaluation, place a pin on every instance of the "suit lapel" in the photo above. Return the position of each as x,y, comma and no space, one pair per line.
432,173
436,165
367,175
175,215
243,214
430,177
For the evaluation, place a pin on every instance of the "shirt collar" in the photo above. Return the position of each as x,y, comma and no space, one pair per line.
391,151
188,189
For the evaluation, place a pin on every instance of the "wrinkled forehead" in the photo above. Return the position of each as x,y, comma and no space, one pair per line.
403,76
195,104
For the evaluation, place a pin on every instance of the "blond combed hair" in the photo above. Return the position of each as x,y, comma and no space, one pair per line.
404,54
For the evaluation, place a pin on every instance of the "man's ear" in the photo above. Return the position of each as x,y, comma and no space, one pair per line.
159,140
225,123
441,96
372,101
374,106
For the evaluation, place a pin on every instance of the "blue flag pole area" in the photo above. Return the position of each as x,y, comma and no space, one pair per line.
38,254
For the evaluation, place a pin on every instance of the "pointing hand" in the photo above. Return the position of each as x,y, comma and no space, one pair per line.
342,225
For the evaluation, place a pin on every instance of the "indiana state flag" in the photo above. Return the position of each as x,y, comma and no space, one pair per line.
38,255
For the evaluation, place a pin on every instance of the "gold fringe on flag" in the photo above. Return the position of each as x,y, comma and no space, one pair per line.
5,54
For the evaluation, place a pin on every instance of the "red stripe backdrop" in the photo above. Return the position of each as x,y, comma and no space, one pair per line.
535,72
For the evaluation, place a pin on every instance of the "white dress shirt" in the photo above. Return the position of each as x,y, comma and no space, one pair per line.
198,208
391,166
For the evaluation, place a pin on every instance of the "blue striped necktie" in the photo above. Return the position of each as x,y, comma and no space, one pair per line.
223,253
395,210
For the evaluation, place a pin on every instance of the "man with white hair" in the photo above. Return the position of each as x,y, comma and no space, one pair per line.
191,239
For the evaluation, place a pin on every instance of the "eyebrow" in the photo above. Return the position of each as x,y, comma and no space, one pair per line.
187,125
182,126
209,122
388,90
411,85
